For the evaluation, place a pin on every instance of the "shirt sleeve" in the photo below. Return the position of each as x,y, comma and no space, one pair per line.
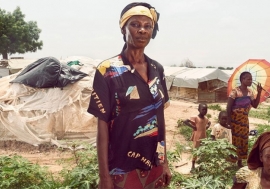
163,83
233,94
100,103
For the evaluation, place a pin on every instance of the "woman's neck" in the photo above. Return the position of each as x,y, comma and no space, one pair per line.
243,87
265,176
135,56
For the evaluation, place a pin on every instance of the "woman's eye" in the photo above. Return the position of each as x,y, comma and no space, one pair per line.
148,27
135,25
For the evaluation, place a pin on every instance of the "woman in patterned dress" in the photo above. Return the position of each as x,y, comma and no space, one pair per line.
240,100
256,175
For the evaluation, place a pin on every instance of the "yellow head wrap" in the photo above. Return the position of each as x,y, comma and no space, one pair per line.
139,10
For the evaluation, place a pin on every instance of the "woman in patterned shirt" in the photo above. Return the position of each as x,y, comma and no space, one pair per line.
240,100
129,96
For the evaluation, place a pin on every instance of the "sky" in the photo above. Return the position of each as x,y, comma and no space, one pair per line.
207,32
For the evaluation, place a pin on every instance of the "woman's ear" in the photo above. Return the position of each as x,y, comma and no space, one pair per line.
123,31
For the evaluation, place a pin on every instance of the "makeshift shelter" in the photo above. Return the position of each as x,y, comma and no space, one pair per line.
200,85
170,73
46,115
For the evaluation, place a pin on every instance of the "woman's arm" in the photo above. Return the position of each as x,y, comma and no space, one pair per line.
255,102
229,110
105,181
166,171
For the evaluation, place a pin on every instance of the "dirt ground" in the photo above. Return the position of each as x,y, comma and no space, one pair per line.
47,155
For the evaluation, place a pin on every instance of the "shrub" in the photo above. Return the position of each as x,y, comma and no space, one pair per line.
18,172
174,157
84,174
213,165
207,182
184,130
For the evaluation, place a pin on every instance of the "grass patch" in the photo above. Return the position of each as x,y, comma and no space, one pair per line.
262,112
215,107
184,130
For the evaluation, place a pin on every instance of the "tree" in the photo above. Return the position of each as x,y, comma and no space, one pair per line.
16,35
187,63
221,68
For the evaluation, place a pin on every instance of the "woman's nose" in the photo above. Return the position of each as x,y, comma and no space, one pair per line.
142,29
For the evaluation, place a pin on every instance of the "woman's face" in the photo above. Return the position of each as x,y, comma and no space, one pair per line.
247,80
138,31
265,158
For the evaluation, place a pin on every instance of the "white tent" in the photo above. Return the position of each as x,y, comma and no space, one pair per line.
192,77
171,72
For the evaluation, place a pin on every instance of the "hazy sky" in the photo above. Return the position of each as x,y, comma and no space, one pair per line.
208,32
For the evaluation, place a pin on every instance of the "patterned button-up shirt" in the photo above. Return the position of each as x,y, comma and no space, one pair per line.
133,109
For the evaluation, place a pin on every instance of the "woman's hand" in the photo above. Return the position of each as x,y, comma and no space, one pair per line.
259,88
166,174
105,183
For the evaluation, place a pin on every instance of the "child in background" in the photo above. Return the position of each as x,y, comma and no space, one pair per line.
221,129
199,124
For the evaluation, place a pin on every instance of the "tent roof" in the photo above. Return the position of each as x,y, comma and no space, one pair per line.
192,77
229,72
173,71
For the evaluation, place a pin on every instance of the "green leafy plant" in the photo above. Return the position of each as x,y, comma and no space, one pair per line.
174,157
81,170
184,130
213,162
208,116
207,182
17,172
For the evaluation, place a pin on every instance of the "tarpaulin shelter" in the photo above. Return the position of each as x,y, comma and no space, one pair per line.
199,84
41,115
170,73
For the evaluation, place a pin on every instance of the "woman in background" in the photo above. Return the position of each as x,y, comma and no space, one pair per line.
240,100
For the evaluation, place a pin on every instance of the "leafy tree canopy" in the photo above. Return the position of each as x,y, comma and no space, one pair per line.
17,35
187,63
210,67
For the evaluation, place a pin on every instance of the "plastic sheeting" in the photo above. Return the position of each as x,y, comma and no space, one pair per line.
36,115
48,72
192,77
171,72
